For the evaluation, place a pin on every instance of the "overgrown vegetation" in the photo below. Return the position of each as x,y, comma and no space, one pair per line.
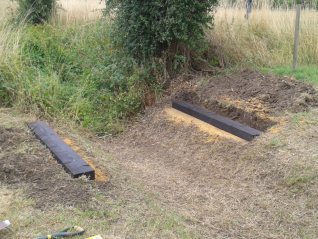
36,11
77,72
73,72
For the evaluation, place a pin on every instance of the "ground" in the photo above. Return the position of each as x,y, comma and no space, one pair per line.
167,179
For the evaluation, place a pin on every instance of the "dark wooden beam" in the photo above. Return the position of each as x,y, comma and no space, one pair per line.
226,124
70,160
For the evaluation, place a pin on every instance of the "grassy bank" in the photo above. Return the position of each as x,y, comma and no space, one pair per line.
70,72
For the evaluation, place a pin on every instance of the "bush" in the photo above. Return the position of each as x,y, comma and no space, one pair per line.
36,11
147,28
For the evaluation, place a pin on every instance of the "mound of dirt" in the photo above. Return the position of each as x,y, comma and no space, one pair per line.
25,163
249,97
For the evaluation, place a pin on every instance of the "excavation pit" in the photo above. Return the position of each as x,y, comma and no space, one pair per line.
248,97
223,123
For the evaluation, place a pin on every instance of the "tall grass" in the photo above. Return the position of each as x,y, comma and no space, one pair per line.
70,71
266,39
78,11
5,9
68,12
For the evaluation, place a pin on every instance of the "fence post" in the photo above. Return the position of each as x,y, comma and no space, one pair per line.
296,38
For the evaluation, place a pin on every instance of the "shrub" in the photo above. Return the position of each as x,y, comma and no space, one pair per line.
36,11
147,28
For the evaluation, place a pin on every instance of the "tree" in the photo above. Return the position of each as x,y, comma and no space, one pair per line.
147,28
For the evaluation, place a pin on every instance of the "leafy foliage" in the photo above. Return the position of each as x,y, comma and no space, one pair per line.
147,28
36,11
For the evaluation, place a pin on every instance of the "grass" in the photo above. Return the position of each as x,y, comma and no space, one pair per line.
272,191
126,208
68,69
29,222
303,73
71,72
78,11
266,39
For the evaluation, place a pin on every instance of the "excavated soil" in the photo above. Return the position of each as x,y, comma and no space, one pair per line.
249,97
24,161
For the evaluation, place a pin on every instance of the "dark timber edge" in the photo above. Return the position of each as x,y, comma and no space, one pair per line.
228,125
71,161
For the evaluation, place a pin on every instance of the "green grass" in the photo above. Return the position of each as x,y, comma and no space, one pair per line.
304,73
74,72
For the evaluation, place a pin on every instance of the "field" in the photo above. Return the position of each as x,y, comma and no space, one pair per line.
161,175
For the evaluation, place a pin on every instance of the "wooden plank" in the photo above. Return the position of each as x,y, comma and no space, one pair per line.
226,124
70,160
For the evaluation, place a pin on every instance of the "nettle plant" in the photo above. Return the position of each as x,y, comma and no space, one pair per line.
36,11
147,28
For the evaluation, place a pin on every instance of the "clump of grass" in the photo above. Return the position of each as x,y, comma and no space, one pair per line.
266,39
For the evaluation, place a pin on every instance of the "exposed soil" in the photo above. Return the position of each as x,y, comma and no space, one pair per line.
249,97
24,161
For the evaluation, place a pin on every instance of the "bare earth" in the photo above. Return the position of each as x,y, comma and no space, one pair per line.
168,180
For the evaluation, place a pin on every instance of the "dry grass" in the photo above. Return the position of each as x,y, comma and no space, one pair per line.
79,11
5,8
122,208
169,183
9,40
69,11
267,38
